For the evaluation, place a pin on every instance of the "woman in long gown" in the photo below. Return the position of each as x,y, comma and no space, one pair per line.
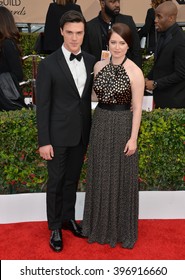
111,204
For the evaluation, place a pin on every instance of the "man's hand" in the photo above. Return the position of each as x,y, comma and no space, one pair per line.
149,84
46,152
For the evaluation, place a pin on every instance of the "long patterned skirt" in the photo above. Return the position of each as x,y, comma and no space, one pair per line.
111,203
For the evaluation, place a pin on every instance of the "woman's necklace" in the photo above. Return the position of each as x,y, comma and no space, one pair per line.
117,67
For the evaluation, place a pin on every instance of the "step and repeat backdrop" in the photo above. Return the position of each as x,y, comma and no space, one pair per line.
34,11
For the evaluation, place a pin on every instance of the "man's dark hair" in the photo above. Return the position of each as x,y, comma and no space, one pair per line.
72,16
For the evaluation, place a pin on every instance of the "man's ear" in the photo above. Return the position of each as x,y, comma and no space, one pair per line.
61,31
172,18
102,3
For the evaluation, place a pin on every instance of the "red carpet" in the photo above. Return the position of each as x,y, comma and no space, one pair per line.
158,240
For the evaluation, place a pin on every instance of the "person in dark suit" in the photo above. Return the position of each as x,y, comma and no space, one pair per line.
52,37
148,29
64,85
97,31
167,76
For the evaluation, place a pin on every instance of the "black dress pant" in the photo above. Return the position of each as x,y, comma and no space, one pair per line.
63,176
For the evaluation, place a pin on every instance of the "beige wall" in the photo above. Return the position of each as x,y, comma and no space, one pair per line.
34,11
92,7
136,8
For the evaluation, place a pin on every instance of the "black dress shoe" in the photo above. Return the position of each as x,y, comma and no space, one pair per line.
56,240
73,227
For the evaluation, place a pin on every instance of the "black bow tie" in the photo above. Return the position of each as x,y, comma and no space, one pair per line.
78,56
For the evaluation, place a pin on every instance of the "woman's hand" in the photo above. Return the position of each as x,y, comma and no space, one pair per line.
130,147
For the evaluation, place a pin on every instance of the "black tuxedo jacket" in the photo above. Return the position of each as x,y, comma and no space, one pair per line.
169,71
93,38
63,117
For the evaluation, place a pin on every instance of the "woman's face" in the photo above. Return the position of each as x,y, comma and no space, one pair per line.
117,46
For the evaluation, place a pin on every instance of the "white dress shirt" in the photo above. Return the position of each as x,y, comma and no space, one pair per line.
77,69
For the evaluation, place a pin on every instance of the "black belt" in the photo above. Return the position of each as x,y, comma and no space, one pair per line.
114,107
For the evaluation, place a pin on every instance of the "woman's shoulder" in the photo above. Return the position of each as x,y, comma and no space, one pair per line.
132,69
151,12
73,6
68,5
8,43
52,6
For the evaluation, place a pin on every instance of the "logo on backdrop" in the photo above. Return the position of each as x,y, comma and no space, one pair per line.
17,9
11,2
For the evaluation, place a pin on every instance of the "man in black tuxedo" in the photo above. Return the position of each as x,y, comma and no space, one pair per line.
97,30
64,85
167,77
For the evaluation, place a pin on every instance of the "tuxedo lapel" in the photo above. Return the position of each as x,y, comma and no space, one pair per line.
88,71
66,71
69,77
161,48
168,38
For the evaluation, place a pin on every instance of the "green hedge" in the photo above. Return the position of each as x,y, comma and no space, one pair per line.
161,150
21,168
27,42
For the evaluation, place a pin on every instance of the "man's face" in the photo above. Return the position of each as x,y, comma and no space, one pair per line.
73,33
162,20
112,7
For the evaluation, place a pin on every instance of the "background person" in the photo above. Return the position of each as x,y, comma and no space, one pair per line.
111,204
52,37
10,54
148,29
97,31
64,85
167,77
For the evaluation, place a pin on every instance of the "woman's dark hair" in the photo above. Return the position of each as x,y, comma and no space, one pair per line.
72,16
156,3
8,28
122,30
